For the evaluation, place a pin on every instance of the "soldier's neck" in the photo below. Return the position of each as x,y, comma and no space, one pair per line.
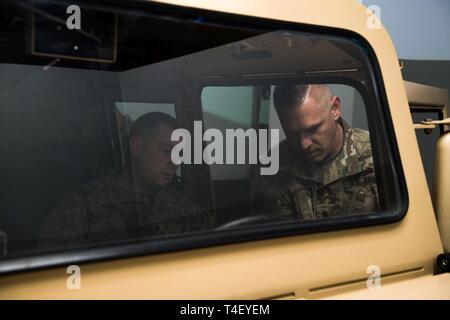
339,144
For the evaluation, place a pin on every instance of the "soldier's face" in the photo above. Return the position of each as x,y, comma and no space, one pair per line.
312,129
153,161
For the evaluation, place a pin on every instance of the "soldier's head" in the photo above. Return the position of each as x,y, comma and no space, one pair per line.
150,149
309,115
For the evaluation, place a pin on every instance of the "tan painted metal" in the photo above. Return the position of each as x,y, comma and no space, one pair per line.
297,266
428,97
428,287
441,198
445,121
418,126
431,124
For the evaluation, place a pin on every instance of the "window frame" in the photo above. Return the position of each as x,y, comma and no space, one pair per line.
171,243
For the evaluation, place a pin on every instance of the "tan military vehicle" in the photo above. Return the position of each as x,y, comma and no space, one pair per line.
76,75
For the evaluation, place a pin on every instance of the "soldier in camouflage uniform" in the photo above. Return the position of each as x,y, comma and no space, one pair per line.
326,167
143,200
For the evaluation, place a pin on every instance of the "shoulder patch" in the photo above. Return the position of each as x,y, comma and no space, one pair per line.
365,154
360,135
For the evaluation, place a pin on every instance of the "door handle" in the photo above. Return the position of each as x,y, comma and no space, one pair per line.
445,121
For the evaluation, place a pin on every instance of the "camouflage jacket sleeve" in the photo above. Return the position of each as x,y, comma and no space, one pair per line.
66,226
174,213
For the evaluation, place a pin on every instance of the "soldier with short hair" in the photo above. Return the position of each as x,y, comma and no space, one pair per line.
326,167
142,200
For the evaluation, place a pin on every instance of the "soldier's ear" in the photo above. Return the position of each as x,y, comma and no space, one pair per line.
336,107
135,146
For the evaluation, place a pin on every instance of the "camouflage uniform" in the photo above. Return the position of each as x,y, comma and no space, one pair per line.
104,211
303,190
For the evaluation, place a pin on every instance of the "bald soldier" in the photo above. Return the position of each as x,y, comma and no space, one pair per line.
326,167
142,200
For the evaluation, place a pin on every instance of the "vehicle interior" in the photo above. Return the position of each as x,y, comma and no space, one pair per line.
66,101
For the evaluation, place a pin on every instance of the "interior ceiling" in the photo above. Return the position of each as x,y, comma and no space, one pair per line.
274,52
155,46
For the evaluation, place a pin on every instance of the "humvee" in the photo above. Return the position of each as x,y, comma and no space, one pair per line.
74,79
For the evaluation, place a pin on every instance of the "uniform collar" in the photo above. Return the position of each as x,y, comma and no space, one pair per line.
335,169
